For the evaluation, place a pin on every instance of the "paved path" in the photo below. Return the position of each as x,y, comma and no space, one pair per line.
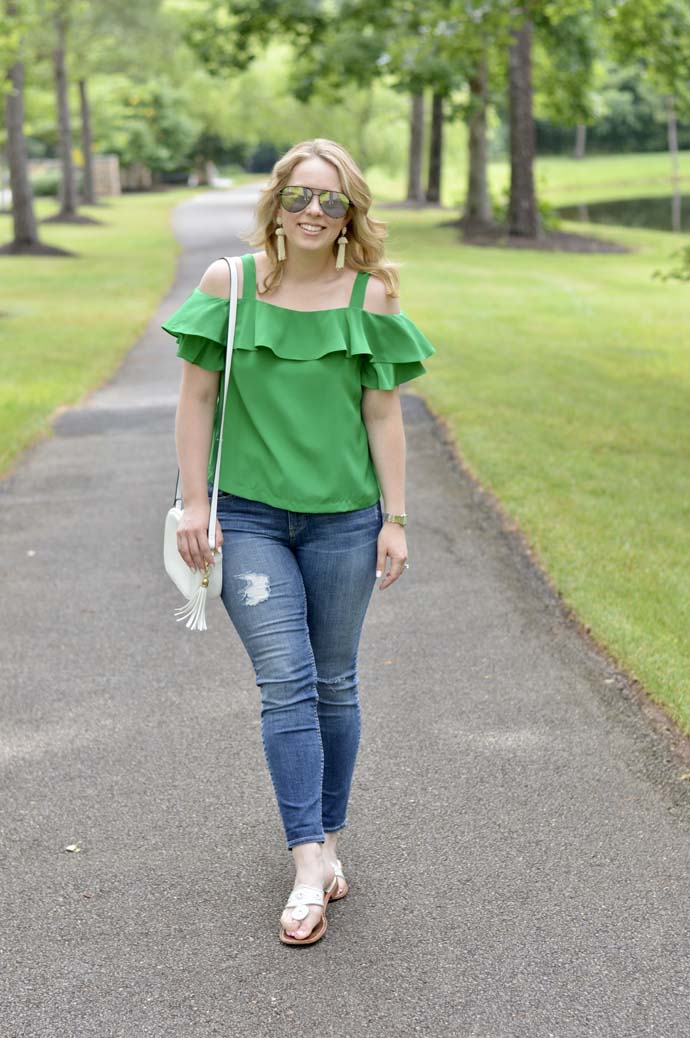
518,847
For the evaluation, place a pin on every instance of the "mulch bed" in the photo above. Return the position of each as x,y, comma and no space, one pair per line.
548,241
33,250
75,218
496,238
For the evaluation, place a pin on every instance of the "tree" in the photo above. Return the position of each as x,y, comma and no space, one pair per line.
523,215
550,19
336,47
657,34
24,219
415,189
478,215
565,69
117,38
461,46
433,190
68,185
482,33
25,230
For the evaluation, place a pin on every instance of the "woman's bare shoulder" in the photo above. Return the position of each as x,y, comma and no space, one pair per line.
377,301
216,279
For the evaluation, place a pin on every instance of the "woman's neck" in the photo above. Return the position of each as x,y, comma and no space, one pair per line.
302,266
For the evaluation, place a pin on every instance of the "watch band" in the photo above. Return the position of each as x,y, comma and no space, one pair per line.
390,517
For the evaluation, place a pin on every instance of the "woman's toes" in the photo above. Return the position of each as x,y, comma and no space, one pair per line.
300,928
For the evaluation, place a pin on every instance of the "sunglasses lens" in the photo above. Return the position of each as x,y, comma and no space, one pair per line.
294,199
333,204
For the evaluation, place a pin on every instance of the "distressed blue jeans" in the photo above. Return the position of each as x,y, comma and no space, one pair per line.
297,586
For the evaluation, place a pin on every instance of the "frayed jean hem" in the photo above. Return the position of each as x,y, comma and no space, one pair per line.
304,839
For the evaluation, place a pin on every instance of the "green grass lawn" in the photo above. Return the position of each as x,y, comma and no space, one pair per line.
560,181
565,378
65,323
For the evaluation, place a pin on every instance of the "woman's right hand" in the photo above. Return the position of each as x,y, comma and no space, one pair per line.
192,536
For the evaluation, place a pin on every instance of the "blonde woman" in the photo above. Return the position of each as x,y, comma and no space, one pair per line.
313,438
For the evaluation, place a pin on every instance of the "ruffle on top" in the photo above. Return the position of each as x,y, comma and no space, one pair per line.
391,346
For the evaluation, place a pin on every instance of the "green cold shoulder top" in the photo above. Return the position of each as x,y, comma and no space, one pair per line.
294,436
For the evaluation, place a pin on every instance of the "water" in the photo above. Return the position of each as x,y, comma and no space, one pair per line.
653,213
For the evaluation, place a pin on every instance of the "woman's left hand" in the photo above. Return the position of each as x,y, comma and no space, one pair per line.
392,544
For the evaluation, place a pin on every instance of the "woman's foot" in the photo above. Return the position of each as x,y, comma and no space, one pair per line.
315,870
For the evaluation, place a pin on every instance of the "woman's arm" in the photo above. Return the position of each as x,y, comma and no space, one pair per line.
193,430
382,416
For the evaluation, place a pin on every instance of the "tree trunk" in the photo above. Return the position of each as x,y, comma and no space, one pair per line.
415,189
68,200
433,191
89,190
580,141
5,198
201,169
478,214
675,171
23,216
523,217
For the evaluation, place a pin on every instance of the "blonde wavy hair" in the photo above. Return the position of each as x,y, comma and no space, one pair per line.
365,249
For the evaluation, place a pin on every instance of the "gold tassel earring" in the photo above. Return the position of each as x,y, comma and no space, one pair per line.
280,235
342,242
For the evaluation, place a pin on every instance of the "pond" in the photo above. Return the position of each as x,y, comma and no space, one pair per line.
654,213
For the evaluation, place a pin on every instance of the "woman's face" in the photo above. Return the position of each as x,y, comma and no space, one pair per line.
311,228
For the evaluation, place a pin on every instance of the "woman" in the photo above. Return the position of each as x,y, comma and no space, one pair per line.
313,436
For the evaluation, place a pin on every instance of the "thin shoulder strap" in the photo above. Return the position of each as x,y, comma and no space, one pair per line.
232,318
248,276
359,289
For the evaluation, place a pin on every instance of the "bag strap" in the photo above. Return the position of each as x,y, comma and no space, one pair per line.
232,320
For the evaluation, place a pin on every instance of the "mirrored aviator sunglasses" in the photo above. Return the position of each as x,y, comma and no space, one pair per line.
294,199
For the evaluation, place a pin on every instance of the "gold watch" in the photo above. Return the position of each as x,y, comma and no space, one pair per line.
389,517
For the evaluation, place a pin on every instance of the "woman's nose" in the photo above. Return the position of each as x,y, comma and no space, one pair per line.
314,207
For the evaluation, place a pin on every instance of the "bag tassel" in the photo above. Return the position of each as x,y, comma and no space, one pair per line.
195,608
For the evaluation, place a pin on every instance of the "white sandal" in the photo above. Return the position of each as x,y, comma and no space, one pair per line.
300,898
339,875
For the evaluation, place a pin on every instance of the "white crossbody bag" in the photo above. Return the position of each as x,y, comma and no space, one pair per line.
197,587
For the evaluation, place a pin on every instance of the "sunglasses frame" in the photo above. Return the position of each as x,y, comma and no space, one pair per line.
312,192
